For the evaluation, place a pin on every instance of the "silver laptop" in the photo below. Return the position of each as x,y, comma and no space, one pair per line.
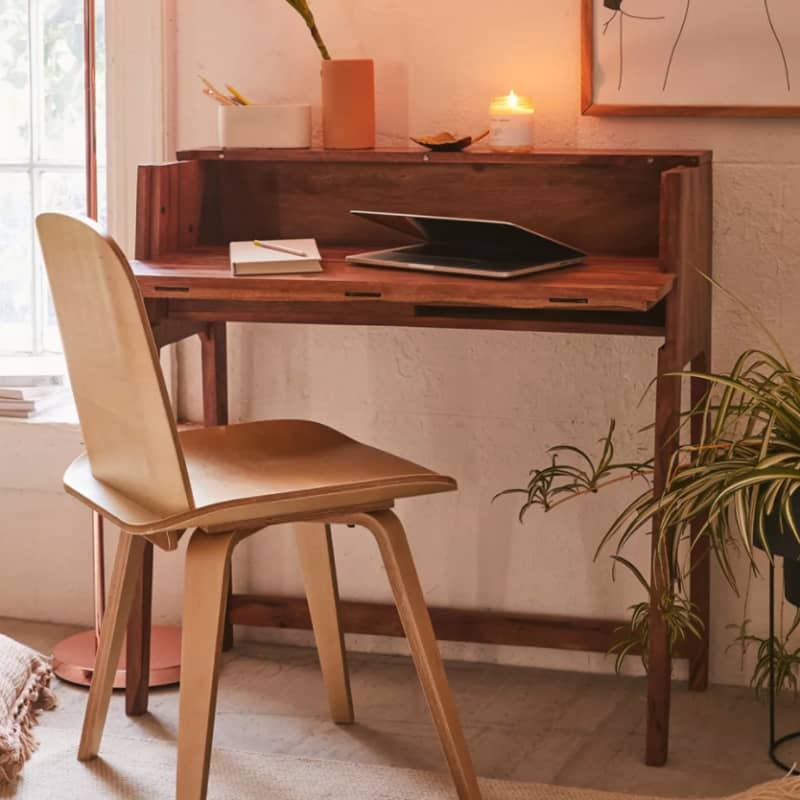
477,247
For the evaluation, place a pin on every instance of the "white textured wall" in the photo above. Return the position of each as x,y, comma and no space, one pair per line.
482,406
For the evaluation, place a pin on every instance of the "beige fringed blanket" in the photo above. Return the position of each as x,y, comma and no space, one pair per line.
24,689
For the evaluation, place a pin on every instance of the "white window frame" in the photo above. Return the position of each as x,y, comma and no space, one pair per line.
140,116
140,74
140,124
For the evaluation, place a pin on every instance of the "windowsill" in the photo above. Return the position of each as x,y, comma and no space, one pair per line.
62,414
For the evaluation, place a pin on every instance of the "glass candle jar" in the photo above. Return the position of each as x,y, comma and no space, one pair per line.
511,122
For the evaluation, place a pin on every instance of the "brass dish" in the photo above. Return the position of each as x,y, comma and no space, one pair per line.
445,141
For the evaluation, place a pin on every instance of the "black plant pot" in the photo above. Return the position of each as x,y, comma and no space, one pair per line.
791,581
786,545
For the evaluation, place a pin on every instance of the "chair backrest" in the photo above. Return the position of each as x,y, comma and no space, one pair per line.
128,427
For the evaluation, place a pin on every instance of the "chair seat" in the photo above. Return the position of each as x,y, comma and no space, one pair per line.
262,470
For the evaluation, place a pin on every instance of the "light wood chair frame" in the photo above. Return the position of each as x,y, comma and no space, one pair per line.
208,557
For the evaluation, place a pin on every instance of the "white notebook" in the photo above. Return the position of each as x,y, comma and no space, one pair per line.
248,258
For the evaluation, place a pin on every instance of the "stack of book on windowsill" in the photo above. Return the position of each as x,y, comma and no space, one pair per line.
25,396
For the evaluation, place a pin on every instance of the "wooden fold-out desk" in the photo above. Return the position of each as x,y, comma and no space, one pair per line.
644,216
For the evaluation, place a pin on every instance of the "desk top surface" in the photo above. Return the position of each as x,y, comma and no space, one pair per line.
600,284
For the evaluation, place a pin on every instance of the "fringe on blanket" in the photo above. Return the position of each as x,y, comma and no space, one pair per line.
17,742
787,788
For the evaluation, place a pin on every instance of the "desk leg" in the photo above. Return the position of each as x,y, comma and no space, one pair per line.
700,581
215,411
215,374
137,649
659,673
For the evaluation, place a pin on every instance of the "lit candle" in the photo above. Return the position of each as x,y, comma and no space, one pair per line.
511,122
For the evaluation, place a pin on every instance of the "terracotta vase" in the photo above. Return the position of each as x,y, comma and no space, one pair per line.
348,103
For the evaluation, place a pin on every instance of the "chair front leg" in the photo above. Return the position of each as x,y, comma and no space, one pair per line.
204,600
127,568
315,548
413,611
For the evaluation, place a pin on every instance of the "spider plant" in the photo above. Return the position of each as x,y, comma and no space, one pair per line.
786,659
738,482
304,10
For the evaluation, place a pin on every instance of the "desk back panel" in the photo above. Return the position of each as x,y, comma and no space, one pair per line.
601,210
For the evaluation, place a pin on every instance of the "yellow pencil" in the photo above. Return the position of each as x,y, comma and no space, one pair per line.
280,248
237,95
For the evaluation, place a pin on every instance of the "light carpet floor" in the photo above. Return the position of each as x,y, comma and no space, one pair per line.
132,769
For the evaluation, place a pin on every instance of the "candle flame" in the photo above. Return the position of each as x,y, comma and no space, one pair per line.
513,100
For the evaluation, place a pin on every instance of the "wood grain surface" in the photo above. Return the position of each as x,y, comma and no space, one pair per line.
450,624
632,284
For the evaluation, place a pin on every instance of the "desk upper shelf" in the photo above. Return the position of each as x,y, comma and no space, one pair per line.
663,159
601,284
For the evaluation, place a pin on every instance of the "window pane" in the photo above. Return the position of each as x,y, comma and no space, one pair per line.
16,313
62,135
62,190
58,191
15,129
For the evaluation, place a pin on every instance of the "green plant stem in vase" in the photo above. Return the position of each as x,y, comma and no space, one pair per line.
303,9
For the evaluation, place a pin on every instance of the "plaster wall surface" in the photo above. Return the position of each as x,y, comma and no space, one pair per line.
481,406
484,406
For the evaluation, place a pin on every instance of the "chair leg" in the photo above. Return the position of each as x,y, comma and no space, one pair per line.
315,548
204,600
137,647
127,569
413,611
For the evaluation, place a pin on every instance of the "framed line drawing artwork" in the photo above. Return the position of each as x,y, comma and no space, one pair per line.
716,58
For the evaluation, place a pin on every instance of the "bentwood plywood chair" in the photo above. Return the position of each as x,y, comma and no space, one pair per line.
225,482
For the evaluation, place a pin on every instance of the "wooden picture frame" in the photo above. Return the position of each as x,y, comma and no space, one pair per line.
591,105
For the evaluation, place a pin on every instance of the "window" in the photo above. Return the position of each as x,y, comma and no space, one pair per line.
42,152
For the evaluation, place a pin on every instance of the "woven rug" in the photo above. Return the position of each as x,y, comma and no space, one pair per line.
135,769
24,690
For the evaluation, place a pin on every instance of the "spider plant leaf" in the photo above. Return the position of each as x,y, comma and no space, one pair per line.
568,448
767,437
509,491
633,569
608,448
785,413
754,477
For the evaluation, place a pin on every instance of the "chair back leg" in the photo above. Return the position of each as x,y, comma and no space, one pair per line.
204,601
124,581
315,548
416,621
